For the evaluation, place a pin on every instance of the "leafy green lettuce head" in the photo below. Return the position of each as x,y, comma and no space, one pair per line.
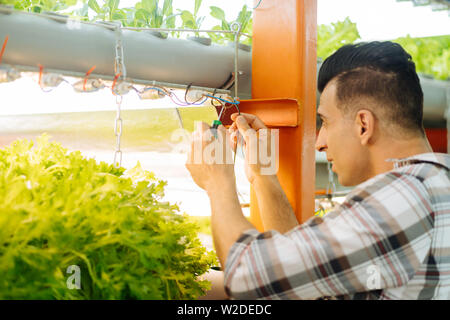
59,209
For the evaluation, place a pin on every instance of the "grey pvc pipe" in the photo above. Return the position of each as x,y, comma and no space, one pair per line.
36,39
435,98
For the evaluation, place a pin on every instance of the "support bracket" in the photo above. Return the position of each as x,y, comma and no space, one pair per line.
274,112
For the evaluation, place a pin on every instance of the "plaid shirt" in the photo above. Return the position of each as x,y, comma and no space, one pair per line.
389,239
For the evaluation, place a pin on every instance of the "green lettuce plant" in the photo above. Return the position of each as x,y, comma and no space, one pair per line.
332,37
40,5
243,18
430,54
59,209
191,20
148,13
144,14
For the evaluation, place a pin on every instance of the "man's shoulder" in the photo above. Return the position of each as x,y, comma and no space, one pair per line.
411,177
439,160
430,169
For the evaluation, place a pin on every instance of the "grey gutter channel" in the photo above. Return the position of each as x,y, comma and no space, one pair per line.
73,48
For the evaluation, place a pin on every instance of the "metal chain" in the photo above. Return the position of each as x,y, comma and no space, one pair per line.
119,68
118,132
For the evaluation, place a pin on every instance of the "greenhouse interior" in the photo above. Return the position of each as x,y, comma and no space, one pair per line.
99,102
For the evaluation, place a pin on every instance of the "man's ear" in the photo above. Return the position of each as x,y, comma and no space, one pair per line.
365,125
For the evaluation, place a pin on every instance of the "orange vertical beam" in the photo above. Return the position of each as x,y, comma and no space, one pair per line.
284,65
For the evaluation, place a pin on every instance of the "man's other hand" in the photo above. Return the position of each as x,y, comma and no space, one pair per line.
260,145
210,160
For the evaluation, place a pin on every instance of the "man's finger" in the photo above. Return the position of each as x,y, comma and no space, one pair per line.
253,121
222,133
233,139
244,128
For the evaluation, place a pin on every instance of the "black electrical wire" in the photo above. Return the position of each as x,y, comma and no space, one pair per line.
185,94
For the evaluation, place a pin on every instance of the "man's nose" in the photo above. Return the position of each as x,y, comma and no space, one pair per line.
321,144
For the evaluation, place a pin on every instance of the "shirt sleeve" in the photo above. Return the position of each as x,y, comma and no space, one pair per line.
376,239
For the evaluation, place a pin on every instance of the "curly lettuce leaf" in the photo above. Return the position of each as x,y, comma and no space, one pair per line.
59,209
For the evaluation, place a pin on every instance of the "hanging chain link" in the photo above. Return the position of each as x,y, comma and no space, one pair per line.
118,132
119,69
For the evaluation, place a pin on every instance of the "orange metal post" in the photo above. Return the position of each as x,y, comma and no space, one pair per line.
284,66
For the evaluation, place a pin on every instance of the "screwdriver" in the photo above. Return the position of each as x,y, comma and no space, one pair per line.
215,126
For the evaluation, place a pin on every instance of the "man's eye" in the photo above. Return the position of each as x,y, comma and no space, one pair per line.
319,123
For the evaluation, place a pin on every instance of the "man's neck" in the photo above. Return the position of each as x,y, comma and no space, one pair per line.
397,149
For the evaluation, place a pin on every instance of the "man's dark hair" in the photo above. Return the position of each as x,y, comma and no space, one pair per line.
381,71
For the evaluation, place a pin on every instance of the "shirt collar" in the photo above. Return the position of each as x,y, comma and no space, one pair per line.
442,159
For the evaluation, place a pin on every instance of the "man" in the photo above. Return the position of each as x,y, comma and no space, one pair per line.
389,239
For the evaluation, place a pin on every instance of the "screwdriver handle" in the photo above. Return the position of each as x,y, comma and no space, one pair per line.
216,124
